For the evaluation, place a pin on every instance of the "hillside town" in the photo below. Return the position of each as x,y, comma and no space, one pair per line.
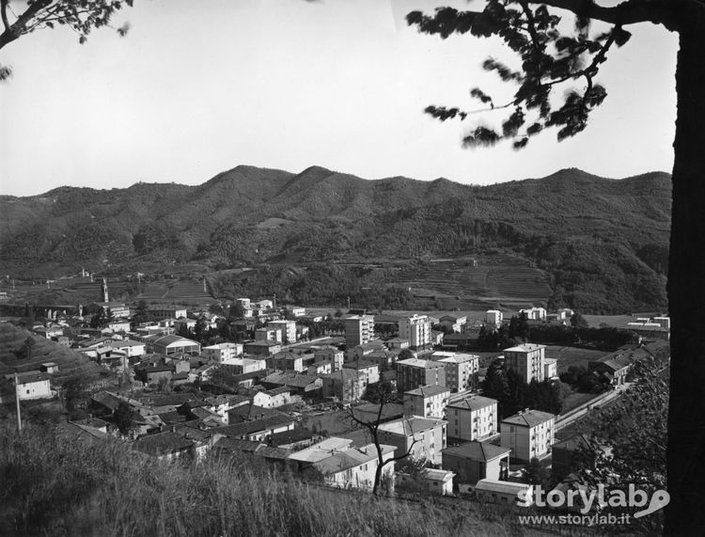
402,403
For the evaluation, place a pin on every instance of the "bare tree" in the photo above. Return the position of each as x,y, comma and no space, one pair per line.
385,396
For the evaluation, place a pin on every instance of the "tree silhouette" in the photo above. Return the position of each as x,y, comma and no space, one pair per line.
550,59
385,395
81,17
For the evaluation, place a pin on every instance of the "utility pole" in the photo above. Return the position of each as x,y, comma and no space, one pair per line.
17,401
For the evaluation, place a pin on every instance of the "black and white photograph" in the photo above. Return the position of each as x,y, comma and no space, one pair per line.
352,268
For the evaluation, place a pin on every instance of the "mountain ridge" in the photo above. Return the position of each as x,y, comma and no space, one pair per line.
577,227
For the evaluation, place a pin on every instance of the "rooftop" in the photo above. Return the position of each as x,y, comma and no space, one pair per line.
416,362
322,450
428,391
505,487
437,475
409,426
477,451
525,347
529,418
163,443
474,402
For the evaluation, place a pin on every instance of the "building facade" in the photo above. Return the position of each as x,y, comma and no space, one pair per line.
527,360
529,434
417,330
412,373
472,418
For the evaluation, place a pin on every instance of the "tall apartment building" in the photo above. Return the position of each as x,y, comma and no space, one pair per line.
472,418
529,434
494,318
416,329
460,369
359,329
427,401
288,329
412,373
527,360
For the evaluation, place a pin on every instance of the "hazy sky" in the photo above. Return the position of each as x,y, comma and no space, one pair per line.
198,87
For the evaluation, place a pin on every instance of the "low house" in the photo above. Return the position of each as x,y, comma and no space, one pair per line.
305,458
320,368
153,375
299,383
360,351
259,429
273,398
612,368
427,401
167,445
474,461
354,467
472,418
286,361
504,492
397,343
529,434
49,367
293,440
437,481
422,438
31,385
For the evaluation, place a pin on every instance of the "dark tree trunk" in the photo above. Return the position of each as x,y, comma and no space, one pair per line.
686,286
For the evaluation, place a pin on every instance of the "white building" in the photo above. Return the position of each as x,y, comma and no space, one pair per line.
534,314
494,318
550,368
416,329
355,467
529,434
359,329
527,360
504,492
32,385
268,333
472,418
223,352
288,329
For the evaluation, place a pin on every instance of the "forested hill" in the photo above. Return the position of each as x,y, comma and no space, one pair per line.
576,226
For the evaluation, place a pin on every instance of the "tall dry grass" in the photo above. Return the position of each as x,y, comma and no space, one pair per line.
54,485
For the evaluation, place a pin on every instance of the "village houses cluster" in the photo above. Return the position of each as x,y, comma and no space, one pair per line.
276,394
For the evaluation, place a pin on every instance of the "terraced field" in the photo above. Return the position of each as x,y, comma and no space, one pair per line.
177,292
478,282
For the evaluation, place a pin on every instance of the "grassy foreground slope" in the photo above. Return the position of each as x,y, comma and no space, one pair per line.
59,485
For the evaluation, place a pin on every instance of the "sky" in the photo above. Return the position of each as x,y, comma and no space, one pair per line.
196,88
